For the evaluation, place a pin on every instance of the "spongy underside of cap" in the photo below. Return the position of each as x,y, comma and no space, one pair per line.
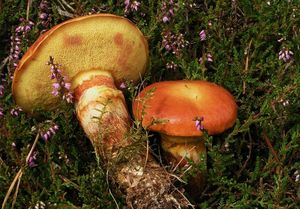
104,42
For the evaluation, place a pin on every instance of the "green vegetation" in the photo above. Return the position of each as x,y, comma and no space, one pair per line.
249,47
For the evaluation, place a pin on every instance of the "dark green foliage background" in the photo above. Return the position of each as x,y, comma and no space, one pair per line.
242,168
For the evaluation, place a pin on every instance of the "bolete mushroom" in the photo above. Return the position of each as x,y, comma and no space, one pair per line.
96,53
175,109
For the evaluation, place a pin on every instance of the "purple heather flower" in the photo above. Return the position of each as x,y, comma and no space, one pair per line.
296,176
52,130
1,112
67,86
68,97
30,23
15,111
131,6
19,34
165,19
44,14
198,123
40,205
209,57
55,92
1,90
27,28
31,160
44,5
135,5
168,47
171,65
202,35
285,55
56,85
173,43
285,103
61,85
127,5
48,133
200,60
167,11
45,136
123,85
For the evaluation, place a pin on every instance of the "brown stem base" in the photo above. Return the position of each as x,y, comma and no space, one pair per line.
150,187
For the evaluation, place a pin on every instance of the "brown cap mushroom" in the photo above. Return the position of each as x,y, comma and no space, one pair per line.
97,53
180,102
172,108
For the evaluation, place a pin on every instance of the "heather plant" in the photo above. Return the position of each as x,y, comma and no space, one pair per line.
249,47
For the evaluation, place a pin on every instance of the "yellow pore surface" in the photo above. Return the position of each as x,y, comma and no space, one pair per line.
97,42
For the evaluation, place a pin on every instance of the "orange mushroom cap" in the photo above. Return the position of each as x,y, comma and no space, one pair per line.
96,42
178,103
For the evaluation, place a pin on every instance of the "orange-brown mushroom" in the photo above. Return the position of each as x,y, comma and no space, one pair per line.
97,53
172,108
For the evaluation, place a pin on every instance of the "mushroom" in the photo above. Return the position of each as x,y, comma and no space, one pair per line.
97,53
180,111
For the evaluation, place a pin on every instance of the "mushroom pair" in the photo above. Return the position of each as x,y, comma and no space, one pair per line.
181,111
97,53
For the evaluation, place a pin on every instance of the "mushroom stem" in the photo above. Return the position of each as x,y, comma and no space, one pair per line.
102,112
181,149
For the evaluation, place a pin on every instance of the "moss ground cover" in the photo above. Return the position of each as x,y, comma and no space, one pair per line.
249,47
